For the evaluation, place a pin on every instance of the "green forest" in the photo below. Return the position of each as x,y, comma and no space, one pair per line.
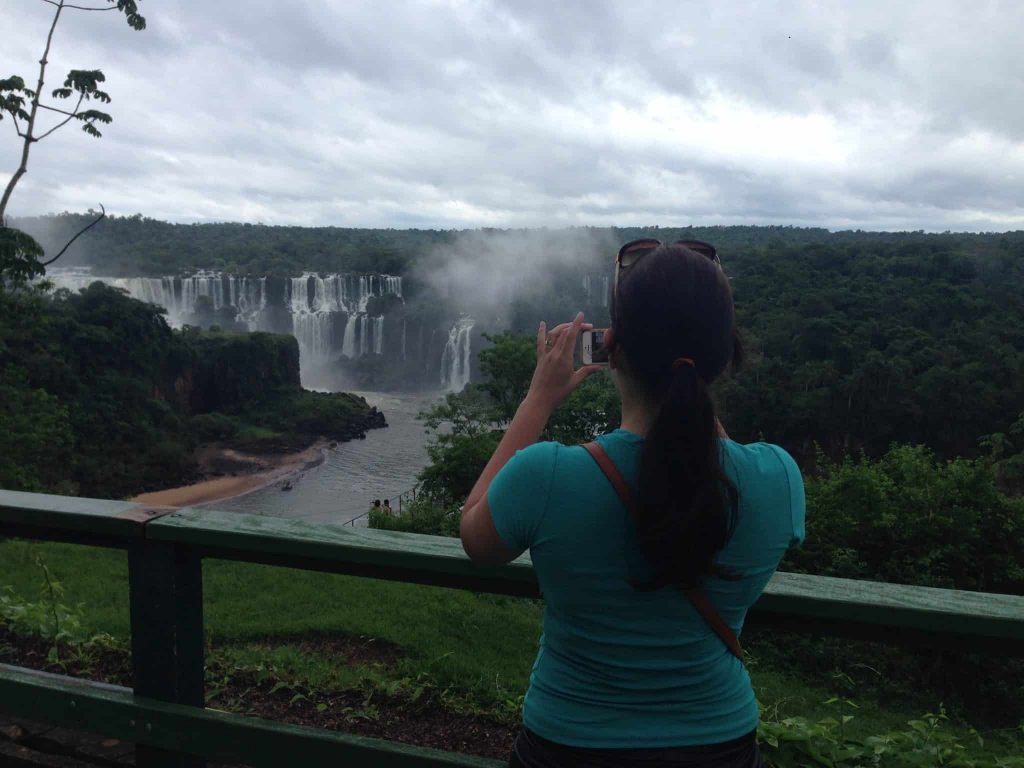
855,340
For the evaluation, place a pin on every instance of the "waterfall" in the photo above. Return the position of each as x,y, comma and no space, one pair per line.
314,332
155,290
348,342
298,294
312,300
209,284
364,293
456,356
364,334
378,335
249,297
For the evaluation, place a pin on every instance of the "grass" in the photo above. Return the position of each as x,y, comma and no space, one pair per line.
481,647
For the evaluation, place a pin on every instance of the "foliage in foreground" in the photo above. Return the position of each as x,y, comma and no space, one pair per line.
927,742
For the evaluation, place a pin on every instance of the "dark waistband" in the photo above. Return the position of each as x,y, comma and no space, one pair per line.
535,751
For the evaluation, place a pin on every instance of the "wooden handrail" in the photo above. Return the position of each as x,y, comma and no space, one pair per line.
166,547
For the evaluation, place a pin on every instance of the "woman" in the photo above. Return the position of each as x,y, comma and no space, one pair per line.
645,587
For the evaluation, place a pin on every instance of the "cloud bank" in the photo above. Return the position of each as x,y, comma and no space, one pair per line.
470,113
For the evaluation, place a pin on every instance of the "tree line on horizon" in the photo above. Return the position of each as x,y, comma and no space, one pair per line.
129,246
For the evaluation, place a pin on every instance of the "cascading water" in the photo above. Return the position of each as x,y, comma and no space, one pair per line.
455,359
155,290
315,333
312,302
249,297
363,334
378,335
348,342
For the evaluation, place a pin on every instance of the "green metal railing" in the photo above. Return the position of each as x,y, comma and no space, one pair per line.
164,714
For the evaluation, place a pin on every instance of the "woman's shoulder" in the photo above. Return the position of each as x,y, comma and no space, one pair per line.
763,462
533,458
766,474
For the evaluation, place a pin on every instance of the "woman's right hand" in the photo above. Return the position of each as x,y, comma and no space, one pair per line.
554,378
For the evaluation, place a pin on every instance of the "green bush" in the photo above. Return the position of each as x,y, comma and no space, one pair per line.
795,742
909,518
213,426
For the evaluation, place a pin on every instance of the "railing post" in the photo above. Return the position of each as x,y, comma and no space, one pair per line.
166,600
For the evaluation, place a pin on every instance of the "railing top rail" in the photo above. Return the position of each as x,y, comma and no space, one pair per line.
61,517
341,548
789,600
872,610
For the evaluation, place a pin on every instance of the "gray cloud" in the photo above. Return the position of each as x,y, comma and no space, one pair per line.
465,113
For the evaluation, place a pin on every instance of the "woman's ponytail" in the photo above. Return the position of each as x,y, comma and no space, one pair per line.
674,321
683,514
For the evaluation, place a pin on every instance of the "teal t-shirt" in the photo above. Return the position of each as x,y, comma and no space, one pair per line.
619,668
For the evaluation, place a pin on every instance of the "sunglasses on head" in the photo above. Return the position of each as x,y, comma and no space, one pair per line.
633,251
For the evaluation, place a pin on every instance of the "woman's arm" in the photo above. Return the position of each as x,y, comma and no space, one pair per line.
553,380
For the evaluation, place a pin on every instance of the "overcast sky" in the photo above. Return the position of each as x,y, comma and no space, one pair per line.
878,115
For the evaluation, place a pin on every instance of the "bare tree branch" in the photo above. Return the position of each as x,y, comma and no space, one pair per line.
80,7
103,215
65,121
62,111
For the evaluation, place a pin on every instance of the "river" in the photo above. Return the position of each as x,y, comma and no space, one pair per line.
355,473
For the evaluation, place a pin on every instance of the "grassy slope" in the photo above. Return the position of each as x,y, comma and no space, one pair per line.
481,645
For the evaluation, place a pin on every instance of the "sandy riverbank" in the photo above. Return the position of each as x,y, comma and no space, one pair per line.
249,473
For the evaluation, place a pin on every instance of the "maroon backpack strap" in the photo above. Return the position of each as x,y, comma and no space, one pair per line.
695,595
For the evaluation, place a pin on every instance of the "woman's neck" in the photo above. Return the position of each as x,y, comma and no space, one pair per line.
637,415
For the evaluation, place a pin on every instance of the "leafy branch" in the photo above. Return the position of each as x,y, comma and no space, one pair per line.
23,104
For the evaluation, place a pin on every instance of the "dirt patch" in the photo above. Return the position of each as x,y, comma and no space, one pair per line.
425,723
344,649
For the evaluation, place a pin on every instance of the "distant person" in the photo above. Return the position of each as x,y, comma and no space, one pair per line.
387,506
649,544
375,507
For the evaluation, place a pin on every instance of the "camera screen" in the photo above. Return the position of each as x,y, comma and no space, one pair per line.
597,351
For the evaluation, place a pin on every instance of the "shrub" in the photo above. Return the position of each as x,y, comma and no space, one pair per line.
908,518
420,516
794,742
213,426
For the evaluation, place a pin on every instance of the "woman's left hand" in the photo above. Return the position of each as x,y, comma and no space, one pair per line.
554,379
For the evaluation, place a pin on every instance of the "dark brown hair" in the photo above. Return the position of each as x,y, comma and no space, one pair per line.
676,303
